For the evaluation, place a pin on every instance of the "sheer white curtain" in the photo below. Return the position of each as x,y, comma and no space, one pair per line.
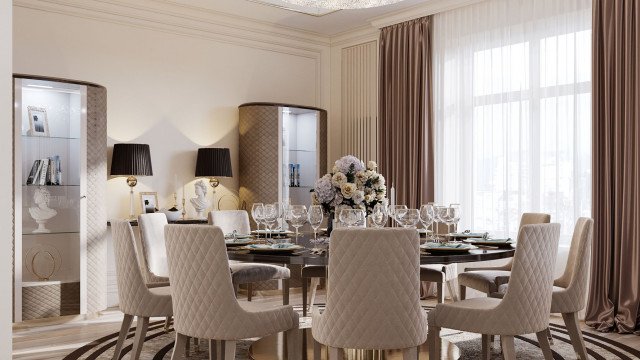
512,101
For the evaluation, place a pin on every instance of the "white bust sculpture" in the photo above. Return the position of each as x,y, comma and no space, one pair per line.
42,212
199,202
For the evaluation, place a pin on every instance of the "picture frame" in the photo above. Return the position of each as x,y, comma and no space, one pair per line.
148,202
38,122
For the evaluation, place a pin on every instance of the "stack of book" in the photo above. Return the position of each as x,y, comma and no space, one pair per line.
46,172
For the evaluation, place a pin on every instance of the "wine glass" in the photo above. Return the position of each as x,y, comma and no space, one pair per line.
270,216
440,215
394,209
297,216
352,217
408,218
281,208
379,215
457,214
426,216
316,215
256,214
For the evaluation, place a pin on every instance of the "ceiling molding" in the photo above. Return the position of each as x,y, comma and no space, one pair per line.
354,37
428,8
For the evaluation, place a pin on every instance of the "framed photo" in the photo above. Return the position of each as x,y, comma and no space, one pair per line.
148,202
38,123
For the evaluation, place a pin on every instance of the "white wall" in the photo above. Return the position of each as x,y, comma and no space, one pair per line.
173,89
6,178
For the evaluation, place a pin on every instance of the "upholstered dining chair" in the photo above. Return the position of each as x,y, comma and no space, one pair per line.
197,255
248,273
569,290
154,254
377,306
135,298
524,308
488,279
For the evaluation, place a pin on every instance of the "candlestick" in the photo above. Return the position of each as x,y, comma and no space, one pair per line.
184,210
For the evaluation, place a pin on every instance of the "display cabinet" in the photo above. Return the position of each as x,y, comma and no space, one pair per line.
283,150
60,179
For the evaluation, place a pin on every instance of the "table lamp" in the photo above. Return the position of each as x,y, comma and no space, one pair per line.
131,160
213,163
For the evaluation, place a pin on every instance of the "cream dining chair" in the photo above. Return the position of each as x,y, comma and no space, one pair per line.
154,254
569,290
135,298
377,306
488,279
248,273
197,255
525,307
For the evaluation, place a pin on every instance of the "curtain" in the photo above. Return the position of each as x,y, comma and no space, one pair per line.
512,105
405,150
614,294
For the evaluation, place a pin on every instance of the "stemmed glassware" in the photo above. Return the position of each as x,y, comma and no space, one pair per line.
379,215
426,216
296,216
408,218
257,214
352,217
316,215
395,209
270,216
456,215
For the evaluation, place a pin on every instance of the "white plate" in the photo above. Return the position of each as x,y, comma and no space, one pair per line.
272,248
466,235
442,247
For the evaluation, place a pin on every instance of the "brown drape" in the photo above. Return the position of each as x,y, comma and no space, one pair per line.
405,146
614,295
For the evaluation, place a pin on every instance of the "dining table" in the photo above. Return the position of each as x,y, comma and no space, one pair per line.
273,347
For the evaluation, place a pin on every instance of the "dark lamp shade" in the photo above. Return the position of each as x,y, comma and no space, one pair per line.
131,159
213,162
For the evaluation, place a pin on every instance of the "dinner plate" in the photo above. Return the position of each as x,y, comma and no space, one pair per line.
490,242
239,242
450,248
274,232
424,231
274,248
238,236
467,235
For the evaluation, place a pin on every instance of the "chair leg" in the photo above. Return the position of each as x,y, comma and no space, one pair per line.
196,345
249,291
142,324
571,322
434,342
452,289
410,353
187,347
124,330
508,347
335,353
304,296
213,350
181,341
315,282
462,292
317,350
549,336
543,341
486,347
294,350
228,350
440,293
167,324
285,291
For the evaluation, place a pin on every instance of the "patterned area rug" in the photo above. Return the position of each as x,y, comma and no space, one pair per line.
159,346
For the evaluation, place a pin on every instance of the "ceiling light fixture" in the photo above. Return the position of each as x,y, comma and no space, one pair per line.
341,4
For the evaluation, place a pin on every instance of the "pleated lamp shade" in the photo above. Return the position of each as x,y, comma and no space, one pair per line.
213,162
131,159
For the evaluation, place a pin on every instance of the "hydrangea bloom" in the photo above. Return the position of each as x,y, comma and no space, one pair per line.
344,164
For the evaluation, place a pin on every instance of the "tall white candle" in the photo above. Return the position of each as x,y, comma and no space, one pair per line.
392,193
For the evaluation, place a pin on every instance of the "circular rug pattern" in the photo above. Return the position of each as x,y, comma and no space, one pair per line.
159,346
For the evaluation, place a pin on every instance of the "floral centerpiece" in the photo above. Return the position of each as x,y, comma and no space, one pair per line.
352,185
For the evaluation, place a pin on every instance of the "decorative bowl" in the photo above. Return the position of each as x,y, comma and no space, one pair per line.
172,215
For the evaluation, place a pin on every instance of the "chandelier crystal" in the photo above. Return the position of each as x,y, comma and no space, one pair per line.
341,4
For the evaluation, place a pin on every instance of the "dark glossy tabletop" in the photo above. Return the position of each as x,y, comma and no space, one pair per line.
305,257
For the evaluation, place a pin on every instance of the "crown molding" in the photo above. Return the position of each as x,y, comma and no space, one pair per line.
357,36
414,12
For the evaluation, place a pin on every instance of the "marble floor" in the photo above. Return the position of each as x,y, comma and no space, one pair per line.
54,338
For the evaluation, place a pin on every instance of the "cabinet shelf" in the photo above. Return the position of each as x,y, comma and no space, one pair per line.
49,233
59,186
50,137
306,151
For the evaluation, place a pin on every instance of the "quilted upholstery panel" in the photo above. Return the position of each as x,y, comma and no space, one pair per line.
245,273
486,281
373,300
134,296
525,307
204,302
154,253
230,220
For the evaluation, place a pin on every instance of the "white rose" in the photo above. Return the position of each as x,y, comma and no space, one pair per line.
335,169
347,190
358,197
371,165
338,179
368,198
380,196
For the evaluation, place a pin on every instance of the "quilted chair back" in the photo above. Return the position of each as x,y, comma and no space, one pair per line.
529,219
373,297
576,274
153,248
134,296
526,305
204,301
230,220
